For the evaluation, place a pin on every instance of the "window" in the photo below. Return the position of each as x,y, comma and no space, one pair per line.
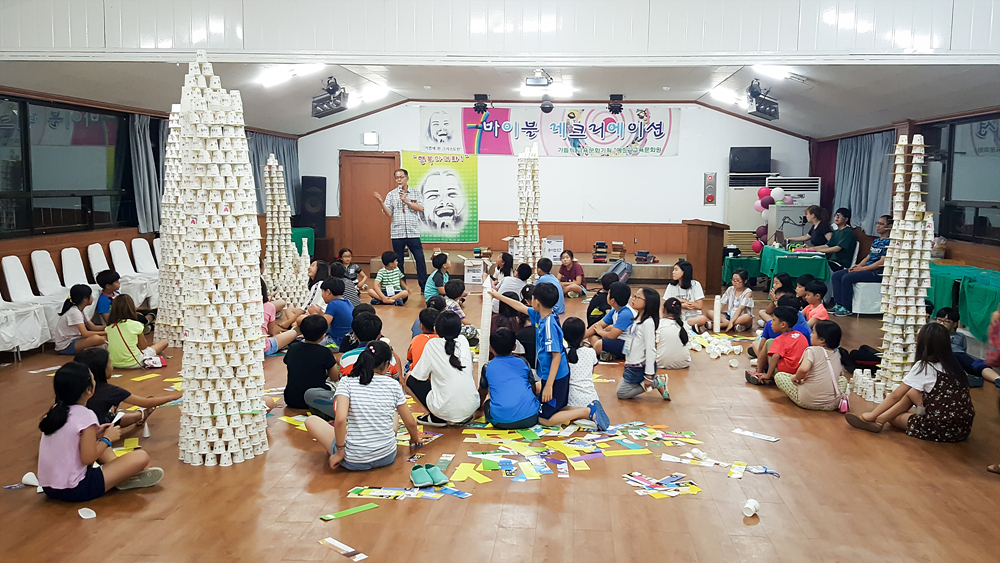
62,169
971,196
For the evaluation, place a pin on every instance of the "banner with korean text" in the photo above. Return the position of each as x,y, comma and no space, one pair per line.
449,187
584,130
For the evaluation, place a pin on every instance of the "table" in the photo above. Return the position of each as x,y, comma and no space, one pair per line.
977,302
299,233
776,261
732,263
942,292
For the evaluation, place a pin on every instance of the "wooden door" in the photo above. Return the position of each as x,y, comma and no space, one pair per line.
365,227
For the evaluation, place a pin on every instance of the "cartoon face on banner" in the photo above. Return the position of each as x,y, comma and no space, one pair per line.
445,206
448,184
441,129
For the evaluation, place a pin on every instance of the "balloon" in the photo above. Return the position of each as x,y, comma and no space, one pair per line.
758,206
763,215
766,202
763,192
777,194
761,231
757,246
782,202
788,199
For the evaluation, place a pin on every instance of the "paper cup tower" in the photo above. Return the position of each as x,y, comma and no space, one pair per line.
170,315
282,263
222,413
906,277
528,197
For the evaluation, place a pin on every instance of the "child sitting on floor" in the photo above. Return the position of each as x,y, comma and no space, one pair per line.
455,290
74,332
819,382
73,440
609,335
426,318
350,342
106,398
800,285
109,282
277,337
437,303
339,313
443,380
672,338
512,403
354,271
937,383
815,311
598,306
126,342
574,284
786,298
977,369
779,281
639,374
738,312
363,436
544,271
310,364
350,290
514,283
390,287
435,284
582,359
551,363
785,352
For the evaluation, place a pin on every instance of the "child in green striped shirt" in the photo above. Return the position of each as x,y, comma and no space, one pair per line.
389,287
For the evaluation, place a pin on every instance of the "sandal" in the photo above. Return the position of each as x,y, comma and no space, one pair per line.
862,424
661,386
995,468
756,378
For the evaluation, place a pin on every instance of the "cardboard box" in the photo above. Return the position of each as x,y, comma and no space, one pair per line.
514,247
474,272
552,247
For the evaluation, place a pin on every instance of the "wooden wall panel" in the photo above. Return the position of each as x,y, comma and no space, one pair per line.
23,247
980,255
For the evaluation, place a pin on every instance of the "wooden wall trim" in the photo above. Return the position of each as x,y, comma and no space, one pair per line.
918,122
980,255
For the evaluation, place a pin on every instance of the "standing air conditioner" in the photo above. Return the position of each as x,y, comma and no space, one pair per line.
790,219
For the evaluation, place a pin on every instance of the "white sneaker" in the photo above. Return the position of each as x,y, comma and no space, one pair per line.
708,325
761,323
146,478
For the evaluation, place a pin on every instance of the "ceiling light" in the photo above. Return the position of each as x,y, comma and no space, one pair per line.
274,75
374,92
723,94
554,90
665,88
427,87
539,80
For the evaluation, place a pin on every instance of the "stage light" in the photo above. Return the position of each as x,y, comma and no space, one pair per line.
546,106
615,106
480,105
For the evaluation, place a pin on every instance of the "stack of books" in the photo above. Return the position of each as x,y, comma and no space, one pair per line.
617,250
600,252
644,257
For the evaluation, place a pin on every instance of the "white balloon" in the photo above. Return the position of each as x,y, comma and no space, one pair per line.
763,214
778,194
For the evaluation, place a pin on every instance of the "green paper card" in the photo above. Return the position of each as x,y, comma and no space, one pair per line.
489,465
349,511
528,435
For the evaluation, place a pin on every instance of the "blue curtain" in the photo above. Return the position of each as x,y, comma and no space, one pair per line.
145,176
287,153
863,182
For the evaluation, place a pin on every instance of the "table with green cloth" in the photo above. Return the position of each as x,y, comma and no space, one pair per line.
299,233
732,263
978,301
943,278
777,261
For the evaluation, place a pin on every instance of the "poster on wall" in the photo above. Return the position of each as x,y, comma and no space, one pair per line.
586,130
449,186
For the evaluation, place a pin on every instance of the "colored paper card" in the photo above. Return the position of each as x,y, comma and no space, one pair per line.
349,511
602,445
690,441
528,435
145,377
579,465
587,456
453,492
528,470
659,426
561,448
444,460
629,444
563,469
757,435
667,494
173,379
604,381
131,443
736,471
614,453
668,457
490,465
468,470
343,549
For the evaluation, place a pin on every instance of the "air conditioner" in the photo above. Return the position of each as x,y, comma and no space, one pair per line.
790,218
741,192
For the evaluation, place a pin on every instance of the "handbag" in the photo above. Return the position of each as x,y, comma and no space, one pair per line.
147,362
845,403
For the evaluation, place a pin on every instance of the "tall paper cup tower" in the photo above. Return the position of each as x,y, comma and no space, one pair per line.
282,263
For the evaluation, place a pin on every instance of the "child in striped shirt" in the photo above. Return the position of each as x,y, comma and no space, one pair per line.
389,287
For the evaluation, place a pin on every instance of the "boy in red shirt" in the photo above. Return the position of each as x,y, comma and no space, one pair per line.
427,318
815,311
786,351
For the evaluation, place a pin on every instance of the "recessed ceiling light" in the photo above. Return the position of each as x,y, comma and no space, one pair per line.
665,88
278,74
555,90
427,87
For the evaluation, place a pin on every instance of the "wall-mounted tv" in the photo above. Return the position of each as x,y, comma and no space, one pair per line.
749,160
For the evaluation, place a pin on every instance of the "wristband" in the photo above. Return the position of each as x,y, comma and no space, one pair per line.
105,440
339,447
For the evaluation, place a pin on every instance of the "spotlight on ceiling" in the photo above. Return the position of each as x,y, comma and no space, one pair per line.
480,105
334,100
759,104
615,106
753,90
541,78
546,106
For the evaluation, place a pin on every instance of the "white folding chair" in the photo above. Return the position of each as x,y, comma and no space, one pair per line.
121,259
46,277
132,286
75,274
98,261
21,294
156,250
144,263
22,327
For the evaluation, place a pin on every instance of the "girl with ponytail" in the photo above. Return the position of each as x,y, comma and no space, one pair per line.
74,332
366,403
582,359
672,337
72,440
443,380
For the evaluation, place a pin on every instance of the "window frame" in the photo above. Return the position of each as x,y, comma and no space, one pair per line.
945,228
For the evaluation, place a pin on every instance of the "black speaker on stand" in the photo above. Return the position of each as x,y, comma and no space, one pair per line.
312,202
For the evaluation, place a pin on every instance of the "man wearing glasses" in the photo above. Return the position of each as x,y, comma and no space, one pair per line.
404,208
843,280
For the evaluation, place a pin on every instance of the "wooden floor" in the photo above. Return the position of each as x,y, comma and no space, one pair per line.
843,495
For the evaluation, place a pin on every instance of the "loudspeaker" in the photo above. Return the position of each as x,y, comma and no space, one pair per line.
312,201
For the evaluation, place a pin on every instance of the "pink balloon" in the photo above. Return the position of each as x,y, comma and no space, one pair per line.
763,192
788,199
757,246
767,202
758,206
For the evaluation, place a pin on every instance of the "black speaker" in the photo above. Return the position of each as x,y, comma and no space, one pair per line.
312,202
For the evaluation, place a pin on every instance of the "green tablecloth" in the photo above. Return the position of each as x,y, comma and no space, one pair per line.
977,302
299,233
732,263
943,278
776,261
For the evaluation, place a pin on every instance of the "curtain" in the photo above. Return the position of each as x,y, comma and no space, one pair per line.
287,153
148,191
863,180
164,135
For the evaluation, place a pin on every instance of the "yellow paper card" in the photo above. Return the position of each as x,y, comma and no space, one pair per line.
688,440
613,453
145,377
467,470
579,465
528,470
602,445
131,443
658,495
562,448
173,379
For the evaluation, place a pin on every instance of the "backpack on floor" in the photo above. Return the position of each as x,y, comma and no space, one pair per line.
620,267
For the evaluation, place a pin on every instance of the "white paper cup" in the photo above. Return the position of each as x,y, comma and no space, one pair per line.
734,363
750,508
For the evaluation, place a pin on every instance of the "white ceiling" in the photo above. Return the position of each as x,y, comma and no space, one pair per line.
833,100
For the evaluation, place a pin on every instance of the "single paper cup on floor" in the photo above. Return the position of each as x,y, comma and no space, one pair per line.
750,508
734,363
29,479
86,513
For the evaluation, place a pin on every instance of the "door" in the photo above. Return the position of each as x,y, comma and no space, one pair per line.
365,227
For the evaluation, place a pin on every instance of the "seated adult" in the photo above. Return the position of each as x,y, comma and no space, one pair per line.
843,281
571,275
839,249
820,233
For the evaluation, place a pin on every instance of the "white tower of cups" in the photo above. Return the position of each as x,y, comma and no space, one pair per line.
528,196
907,270
170,315
282,263
222,414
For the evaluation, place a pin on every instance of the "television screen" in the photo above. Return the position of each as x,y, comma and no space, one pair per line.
750,160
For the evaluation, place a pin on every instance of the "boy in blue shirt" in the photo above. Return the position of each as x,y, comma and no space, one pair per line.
108,280
512,403
760,347
545,276
339,311
551,364
608,335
